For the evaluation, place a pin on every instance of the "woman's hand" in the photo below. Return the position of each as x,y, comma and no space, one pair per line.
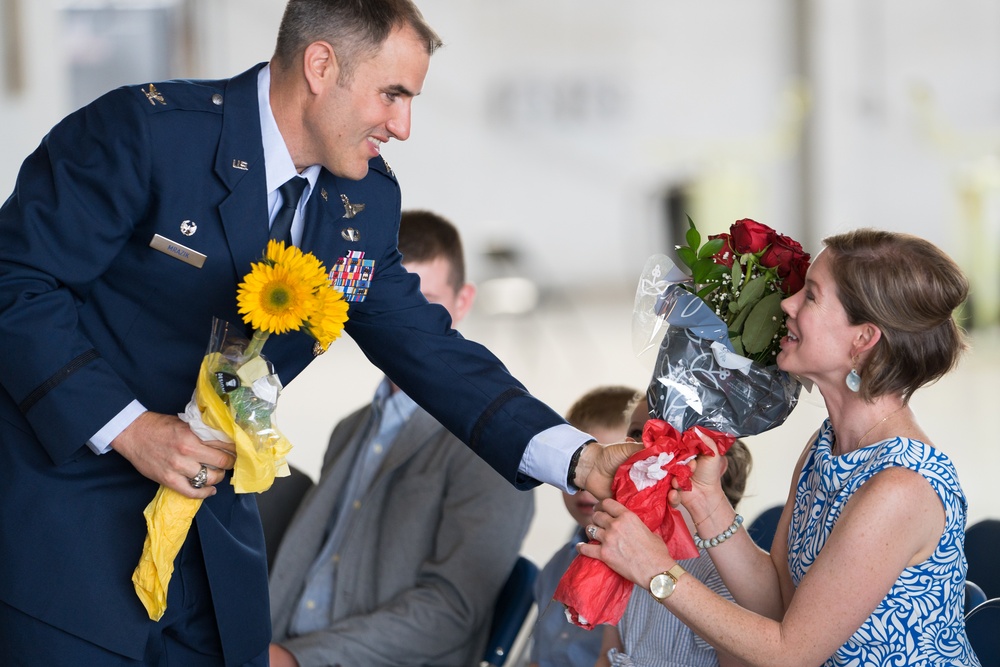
706,482
625,544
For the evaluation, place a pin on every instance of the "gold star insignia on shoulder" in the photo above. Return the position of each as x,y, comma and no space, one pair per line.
153,95
387,167
351,210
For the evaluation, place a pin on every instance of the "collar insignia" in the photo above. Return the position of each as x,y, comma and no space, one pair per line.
153,95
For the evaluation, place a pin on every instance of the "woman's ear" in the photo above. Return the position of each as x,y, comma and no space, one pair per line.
867,336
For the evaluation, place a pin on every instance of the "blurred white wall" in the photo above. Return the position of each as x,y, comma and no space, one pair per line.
557,128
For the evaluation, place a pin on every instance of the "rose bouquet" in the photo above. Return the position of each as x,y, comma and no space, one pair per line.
235,397
721,326
717,328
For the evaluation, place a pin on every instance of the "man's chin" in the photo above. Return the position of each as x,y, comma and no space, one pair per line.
356,173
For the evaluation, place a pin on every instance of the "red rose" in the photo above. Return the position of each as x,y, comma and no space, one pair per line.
796,277
725,256
750,236
780,254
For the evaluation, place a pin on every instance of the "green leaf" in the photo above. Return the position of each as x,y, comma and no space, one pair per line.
716,272
737,345
710,247
702,271
752,291
737,273
693,236
687,256
705,291
762,323
737,324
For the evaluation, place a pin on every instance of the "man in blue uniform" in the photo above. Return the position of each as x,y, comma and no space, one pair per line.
127,232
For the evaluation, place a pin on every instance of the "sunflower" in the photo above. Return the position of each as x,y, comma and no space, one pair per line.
304,266
327,322
275,299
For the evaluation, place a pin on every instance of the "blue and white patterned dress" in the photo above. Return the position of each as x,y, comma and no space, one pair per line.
920,622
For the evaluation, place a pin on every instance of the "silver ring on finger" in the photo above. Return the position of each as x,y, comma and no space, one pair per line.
201,478
592,531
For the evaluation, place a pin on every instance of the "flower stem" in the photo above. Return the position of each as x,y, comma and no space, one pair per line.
256,343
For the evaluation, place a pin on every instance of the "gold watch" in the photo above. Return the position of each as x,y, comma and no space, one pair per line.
663,584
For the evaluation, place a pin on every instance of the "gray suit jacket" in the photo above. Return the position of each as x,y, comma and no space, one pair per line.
426,553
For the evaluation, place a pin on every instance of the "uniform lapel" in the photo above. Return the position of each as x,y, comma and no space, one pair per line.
239,163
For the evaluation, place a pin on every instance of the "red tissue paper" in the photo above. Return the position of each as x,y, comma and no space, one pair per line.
593,593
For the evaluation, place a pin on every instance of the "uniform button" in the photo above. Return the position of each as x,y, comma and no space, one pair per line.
335,558
217,99
377,448
357,504
310,604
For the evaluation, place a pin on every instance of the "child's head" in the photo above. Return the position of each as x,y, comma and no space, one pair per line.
738,459
603,413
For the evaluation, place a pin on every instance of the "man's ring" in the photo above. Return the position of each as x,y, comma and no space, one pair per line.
199,480
592,531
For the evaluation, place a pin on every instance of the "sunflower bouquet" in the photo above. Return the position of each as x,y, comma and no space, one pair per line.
236,394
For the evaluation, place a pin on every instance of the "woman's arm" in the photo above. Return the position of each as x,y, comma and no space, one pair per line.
893,521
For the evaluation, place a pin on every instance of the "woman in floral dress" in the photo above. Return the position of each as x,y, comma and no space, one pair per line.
867,567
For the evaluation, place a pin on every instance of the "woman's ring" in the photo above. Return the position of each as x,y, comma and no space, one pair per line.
592,531
199,480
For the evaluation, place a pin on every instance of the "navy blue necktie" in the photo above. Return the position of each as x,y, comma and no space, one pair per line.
291,191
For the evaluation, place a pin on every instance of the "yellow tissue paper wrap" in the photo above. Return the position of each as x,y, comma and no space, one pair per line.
260,457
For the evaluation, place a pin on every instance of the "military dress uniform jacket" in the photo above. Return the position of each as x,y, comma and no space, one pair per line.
92,317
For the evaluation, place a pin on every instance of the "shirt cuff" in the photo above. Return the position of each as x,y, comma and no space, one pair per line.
100,443
546,458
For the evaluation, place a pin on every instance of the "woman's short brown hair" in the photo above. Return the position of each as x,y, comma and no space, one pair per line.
909,289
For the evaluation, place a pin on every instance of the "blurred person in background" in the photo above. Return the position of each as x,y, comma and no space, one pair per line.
603,412
398,554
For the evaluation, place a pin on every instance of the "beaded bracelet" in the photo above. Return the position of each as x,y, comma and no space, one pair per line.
721,537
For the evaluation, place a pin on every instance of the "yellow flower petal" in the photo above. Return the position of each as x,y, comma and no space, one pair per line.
327,323
274,299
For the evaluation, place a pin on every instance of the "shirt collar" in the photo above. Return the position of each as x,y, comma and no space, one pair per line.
398,402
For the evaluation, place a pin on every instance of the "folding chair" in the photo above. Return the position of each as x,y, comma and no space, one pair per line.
511,614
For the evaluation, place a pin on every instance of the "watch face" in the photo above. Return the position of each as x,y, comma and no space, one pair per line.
661,586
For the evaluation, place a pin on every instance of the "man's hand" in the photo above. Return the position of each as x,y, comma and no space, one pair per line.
163,448
598,465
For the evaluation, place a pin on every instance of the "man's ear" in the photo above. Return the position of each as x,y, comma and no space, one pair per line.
320,66
463,301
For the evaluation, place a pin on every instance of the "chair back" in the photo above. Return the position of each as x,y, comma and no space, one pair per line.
510,613
277,506
982,550
982,625
762,528
974,596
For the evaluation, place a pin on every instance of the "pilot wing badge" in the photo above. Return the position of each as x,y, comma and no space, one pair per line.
351,210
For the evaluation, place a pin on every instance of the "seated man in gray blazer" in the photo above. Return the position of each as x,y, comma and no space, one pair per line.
397,555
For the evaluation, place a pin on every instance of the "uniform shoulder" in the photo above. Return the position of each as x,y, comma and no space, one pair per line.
189,95
379,165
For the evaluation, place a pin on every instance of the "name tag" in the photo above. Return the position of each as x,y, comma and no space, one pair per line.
178,251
